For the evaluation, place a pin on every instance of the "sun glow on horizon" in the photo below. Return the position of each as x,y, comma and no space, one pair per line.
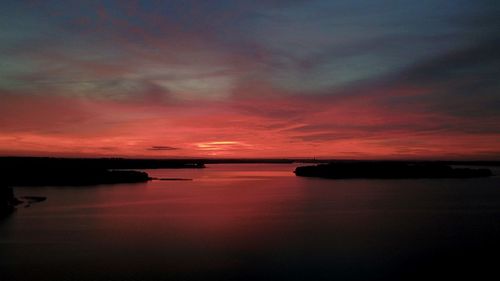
222,146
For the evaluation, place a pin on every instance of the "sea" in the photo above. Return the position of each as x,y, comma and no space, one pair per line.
255,222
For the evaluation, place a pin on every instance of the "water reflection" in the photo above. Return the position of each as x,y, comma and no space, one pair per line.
254,222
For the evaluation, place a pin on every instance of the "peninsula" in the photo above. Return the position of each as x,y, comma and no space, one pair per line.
48,171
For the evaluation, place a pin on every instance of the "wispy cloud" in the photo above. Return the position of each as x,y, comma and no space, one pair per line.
160,148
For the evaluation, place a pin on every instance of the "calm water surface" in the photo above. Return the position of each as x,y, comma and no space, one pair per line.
255,222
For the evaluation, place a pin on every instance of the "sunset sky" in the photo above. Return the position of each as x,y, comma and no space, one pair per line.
275,78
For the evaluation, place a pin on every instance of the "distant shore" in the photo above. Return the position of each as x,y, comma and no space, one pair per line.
389,170
166,163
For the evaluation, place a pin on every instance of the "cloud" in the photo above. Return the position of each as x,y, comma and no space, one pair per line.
222,146
262,78
477,64
462,84
160,148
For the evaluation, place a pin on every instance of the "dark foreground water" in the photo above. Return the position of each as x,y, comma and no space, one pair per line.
256,222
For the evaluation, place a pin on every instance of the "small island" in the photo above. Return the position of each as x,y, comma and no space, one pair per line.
388,170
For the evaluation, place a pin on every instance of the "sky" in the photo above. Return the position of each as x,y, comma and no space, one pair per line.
277,78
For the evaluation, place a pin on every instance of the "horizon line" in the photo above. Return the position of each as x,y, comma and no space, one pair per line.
298,158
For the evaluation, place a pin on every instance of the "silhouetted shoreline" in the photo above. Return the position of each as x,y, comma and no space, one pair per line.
50,171
38,171
169,163
8,201
62,176
74,177
97,163
388,170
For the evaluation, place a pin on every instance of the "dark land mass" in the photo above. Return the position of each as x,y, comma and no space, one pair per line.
97,163
60,176
388,170
39,171
8,201
70,176
35,171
